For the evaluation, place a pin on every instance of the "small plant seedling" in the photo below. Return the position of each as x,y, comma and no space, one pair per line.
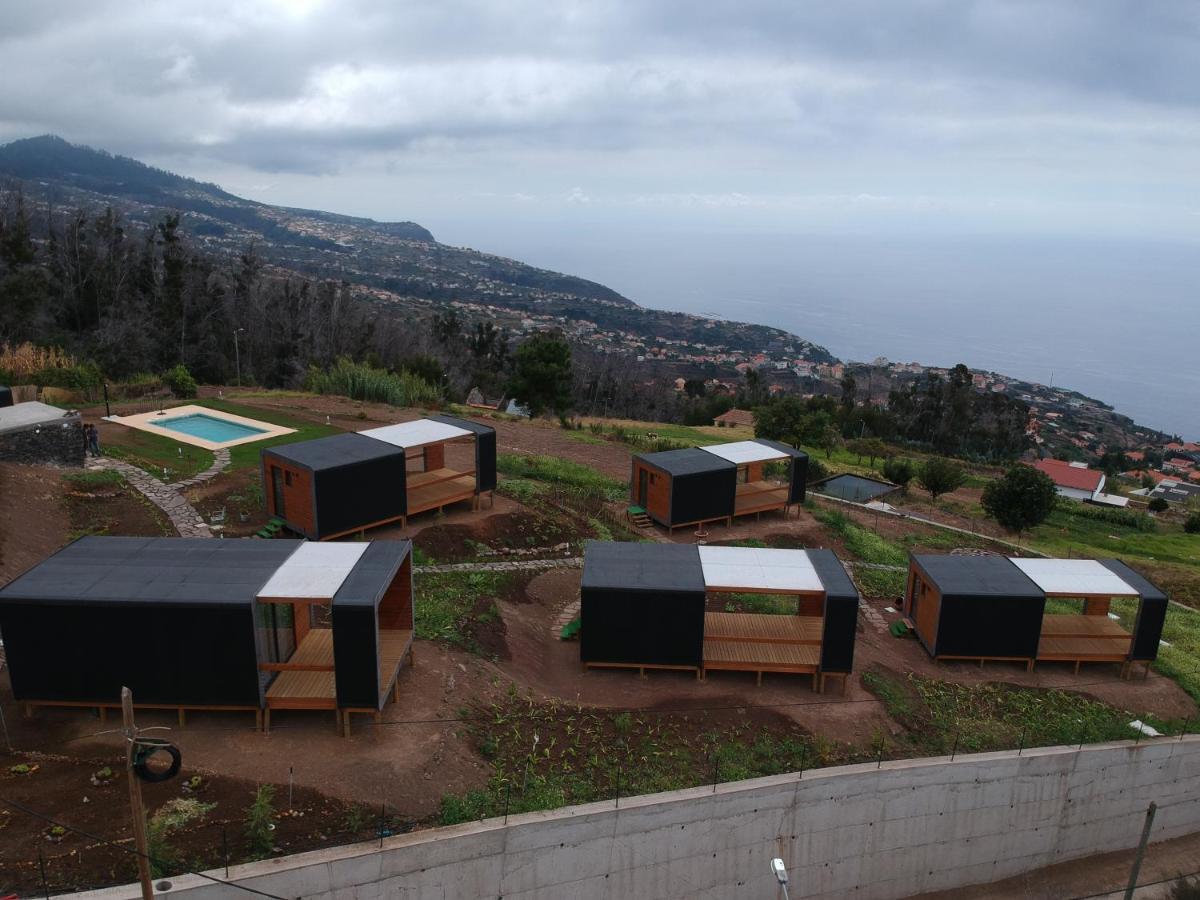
103,776
22,769
194,785
55,833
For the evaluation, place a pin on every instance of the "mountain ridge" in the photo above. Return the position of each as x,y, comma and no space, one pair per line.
401,258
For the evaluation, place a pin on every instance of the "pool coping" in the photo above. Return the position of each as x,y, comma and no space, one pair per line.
145,422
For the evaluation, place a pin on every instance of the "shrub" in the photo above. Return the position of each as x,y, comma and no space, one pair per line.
1021,499
259,826
816,470
940,476
1192,525
180,381
1158,504
1126,518
899,471
370,385
171,817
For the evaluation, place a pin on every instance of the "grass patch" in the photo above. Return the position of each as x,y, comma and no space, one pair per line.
768,604
452,607
940,715
1063,534
94,479
869,547
562,473
165,458
553,754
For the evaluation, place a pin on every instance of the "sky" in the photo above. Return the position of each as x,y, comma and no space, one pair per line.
518,126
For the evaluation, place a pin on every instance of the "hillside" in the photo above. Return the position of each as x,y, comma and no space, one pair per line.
392,258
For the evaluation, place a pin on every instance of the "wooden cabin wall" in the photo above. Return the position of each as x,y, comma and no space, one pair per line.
754,472
396,607
658,491
811,606
297,495
435,457
928,603
1097,606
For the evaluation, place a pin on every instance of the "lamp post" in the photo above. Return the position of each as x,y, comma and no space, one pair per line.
237,354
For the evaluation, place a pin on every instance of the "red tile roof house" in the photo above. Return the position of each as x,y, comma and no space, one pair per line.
734,417
1074,480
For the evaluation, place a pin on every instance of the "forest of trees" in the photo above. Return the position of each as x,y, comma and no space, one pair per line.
130,300
945,415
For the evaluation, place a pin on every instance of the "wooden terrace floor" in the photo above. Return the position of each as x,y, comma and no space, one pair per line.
759,496
441,487
755,642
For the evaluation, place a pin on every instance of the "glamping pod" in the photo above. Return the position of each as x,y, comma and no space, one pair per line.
339,485
334,485
716,483
6,396
204,624
643,606
994,608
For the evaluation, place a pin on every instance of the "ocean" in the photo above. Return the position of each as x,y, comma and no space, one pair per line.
1116,320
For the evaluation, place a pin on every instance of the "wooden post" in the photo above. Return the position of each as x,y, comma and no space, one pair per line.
140,840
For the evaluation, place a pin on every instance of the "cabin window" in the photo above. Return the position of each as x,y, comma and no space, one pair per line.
743,475
653,479
287,478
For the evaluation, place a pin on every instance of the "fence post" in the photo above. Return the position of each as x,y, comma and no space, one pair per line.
618,797
1021,743
225,848
507,797
716,766
42,867
879,762
1141,851
954,749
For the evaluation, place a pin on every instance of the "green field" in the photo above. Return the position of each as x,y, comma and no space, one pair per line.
247,455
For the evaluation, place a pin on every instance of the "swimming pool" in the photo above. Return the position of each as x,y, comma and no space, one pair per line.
208,428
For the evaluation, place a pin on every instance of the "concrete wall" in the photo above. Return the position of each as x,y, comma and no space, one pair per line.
858,831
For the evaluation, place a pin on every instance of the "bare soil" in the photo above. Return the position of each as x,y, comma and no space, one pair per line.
33,519
96,849
118,509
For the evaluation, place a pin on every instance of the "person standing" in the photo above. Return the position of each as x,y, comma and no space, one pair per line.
94,440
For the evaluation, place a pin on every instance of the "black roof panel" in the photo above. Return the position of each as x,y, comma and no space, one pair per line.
832,573
977,576
1142,585
121,570
468,424
372,574
335,450
689,461
642,567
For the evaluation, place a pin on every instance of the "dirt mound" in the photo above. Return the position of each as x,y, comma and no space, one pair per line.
555,589
518,530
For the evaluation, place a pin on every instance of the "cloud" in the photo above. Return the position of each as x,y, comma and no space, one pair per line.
735,104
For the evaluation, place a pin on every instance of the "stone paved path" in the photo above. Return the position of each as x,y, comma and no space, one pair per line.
220,463
519,565
166,497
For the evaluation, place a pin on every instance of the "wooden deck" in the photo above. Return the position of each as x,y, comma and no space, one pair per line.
759,496
1080,639
448,488
393,647
313,687
755,642
759,628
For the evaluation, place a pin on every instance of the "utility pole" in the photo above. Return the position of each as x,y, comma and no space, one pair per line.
141,842
237,355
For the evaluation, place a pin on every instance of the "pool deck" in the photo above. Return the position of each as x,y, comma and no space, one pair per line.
149,422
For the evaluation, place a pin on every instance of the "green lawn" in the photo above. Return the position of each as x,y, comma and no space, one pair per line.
561,472
1066,535
940,715
163,457
154,453
247,455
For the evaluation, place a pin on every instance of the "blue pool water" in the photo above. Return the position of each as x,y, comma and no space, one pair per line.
209,428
